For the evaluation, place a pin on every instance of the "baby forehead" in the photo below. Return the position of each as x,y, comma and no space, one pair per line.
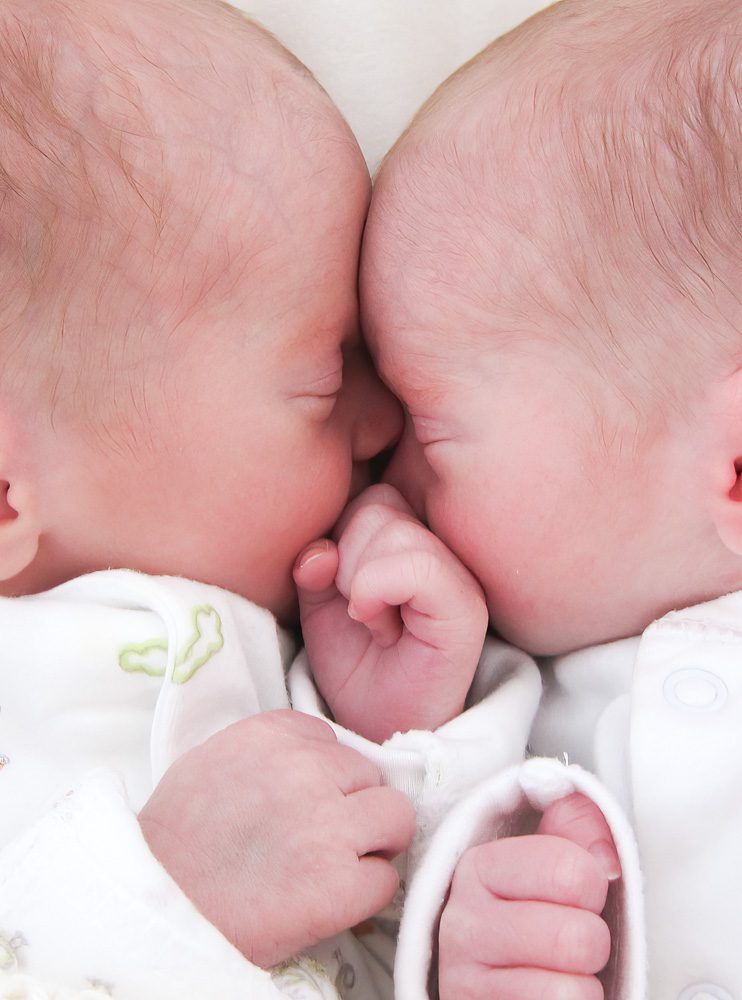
425,354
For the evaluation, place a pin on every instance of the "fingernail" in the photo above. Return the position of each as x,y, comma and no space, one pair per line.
605,854
352,613
312,551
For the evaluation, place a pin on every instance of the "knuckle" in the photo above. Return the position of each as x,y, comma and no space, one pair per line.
289,719
254,730
574,875
345,759
386,496
583,943
378,505
362,523
373,517
399,534
311,723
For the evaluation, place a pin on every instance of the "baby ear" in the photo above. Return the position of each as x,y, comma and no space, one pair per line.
726,449
19,529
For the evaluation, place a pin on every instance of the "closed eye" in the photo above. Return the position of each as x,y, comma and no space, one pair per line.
322,395
429,431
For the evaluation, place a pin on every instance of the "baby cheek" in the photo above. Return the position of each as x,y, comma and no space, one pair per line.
334,480
449,514
409,473
463,520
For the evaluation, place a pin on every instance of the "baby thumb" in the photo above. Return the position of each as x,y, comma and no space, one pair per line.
578,819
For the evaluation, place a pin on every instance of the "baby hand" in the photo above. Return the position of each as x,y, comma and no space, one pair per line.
278,834
522,919
393,623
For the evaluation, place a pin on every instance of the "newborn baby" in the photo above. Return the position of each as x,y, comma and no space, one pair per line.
550,284
184,391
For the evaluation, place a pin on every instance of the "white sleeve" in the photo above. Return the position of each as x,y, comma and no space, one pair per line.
507,805
437,770
85,905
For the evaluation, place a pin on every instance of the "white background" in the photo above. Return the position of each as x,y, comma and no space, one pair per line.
380,59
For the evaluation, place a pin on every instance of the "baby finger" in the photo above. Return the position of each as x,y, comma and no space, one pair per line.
383,820
506,933
477,982
382,621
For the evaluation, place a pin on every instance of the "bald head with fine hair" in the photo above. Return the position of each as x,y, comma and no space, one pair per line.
578,182
151,153
182,384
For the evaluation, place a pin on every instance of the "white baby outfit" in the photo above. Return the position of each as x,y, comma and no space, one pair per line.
105,681
659,720
656,722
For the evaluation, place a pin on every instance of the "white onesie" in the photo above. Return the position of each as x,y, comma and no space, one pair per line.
106,680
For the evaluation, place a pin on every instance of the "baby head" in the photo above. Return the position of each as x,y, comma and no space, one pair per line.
183,386
550,283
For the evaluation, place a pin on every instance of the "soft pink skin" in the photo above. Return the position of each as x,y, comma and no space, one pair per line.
503,465
393,623
255,456
522,919
269,826
213,407
585,509
278,834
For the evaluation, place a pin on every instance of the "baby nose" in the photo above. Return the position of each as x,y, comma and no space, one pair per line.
379,422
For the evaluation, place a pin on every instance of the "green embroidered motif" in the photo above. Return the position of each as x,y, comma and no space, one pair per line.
9,947
300,974
147,658
151,657
207,639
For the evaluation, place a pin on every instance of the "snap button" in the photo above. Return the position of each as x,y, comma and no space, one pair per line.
695,689
705,991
